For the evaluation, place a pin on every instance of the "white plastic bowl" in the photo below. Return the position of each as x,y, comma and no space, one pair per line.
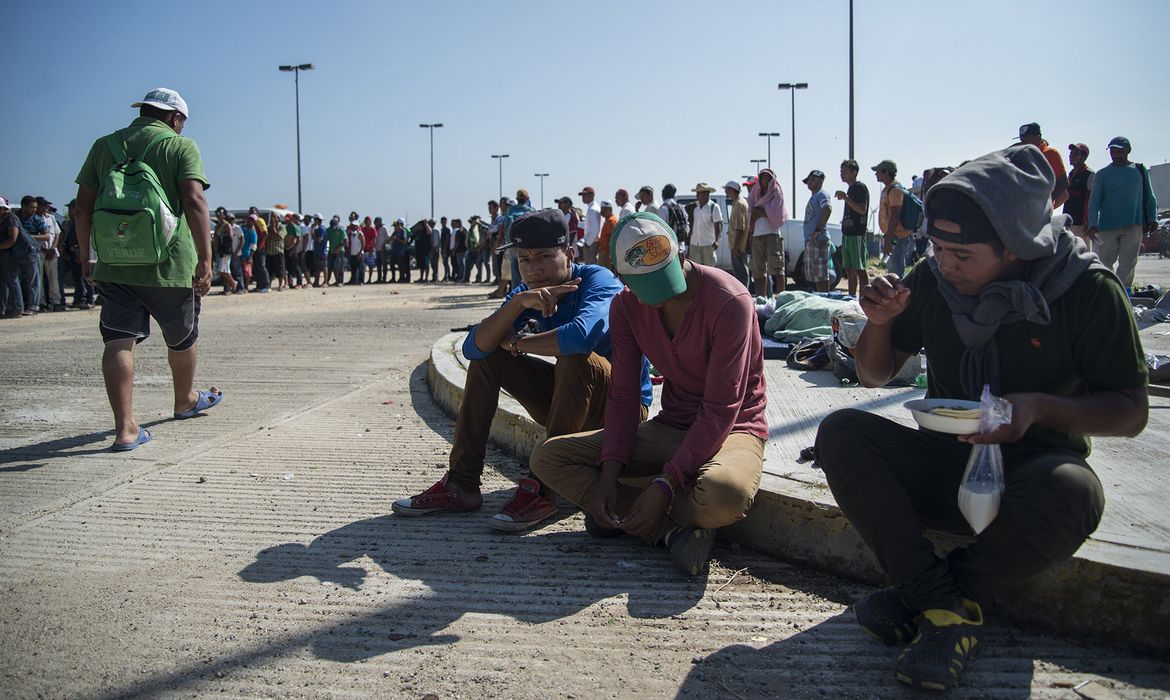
921,410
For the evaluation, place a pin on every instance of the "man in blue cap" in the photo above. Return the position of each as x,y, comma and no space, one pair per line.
1121,208
560,310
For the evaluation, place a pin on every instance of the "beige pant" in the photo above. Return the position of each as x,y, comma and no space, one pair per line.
702,255
1120,246
724,489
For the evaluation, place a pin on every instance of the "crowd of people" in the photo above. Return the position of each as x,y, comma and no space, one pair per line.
1007,296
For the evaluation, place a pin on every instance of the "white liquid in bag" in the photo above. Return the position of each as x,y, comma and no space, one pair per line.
979,504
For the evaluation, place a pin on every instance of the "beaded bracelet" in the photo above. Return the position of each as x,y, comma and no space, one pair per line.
665,486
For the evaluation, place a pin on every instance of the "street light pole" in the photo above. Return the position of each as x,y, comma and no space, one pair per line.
296,71
792,88
769,135
432,128
542,176
850,79
501,158
757,161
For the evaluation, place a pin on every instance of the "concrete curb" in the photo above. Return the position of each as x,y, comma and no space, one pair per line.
1112,592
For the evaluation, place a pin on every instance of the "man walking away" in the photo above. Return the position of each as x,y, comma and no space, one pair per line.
170,291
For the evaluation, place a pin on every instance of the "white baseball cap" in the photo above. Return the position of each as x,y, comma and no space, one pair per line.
4,203
734,184
164,98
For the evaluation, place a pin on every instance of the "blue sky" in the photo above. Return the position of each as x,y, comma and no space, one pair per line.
610,94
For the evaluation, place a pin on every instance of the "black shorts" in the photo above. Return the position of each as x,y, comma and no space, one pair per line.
275,264
127,310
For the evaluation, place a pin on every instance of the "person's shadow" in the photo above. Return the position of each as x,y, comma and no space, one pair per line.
836,659
465,568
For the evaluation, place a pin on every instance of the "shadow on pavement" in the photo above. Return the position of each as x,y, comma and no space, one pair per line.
64,447
462,579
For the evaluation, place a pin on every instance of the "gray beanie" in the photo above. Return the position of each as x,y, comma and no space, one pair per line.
1013,187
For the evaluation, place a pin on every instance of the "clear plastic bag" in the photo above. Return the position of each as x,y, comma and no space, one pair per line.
983,483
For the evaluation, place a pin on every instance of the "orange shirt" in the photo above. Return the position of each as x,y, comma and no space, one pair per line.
607,228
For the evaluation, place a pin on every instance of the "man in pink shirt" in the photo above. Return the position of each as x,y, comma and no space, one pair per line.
695,467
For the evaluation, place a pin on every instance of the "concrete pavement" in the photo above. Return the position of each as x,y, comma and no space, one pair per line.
250,552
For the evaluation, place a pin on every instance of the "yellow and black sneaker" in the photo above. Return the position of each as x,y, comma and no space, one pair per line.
884,615
945,644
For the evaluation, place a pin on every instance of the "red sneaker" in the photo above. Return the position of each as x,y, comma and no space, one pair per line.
437,499
527,509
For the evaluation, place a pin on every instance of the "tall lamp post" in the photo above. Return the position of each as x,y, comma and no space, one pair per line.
850,79
769,135
432,128
542,176
757,161
500,158
792,88
296,71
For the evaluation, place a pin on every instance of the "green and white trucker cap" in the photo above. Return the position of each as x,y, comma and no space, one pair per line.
644,251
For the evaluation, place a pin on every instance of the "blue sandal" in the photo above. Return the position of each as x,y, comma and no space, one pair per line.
206,400
144,437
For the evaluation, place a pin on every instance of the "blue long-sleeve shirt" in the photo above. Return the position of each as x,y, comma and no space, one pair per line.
1116,198
581,320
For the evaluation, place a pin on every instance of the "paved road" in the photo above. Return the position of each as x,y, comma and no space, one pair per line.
250,553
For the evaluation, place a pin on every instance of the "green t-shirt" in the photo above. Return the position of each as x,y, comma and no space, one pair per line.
336,239
1091,345
174,160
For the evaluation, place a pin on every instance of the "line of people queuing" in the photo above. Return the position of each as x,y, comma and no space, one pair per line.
39,255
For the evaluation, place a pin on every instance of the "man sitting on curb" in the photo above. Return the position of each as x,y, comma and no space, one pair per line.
696,466
561,310
1010,298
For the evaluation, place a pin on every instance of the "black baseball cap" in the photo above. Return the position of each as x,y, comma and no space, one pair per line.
539,229
1029,129
812,174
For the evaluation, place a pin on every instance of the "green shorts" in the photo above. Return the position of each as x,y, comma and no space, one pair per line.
853,254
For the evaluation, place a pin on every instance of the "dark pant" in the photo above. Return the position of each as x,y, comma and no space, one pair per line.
260,270
457,272
446,253
567,397
422,259
20,275
355,269
471,260
891,480
382,262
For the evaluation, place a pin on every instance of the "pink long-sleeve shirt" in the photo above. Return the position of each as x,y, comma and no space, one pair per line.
713,369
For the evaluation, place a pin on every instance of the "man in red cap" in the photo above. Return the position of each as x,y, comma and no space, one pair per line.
1080,182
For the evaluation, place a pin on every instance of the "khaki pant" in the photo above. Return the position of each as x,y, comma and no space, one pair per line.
767,255
724,489
564,398
1120,246
702,255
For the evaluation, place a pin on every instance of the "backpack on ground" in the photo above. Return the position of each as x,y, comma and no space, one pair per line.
132,221
912,212
677,219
